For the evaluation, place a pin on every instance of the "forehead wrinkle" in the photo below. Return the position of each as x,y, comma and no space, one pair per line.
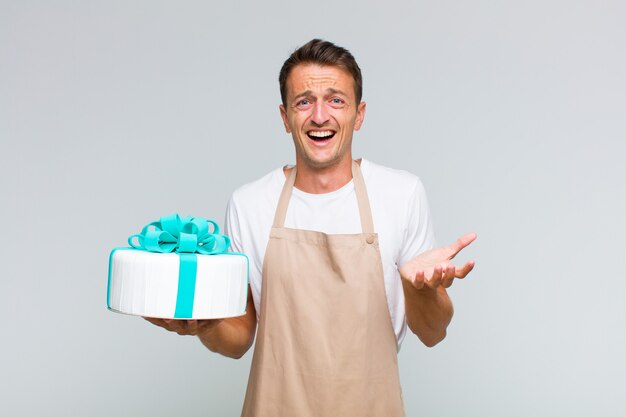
332,91
319,81
329,92
309,81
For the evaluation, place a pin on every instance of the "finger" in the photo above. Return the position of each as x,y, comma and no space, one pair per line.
460,243
173,325
465,269
180,327
156,322
192,327
167,324
208,324
435,280
418,281
448,276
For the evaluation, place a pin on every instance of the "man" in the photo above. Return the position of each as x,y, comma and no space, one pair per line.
341,260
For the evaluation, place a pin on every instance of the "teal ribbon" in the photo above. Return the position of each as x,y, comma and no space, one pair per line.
185,236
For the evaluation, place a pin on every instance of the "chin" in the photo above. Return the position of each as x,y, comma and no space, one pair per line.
323,164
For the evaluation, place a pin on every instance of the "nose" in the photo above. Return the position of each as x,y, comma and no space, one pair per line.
320,113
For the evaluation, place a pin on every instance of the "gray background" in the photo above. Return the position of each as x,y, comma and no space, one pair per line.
512,113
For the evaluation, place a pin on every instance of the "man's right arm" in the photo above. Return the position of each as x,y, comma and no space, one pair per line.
233,336
230,337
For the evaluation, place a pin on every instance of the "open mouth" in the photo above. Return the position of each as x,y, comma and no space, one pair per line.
320,135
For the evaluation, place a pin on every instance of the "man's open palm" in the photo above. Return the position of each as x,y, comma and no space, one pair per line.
434,268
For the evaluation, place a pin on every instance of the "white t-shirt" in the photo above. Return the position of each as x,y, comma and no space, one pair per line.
399,209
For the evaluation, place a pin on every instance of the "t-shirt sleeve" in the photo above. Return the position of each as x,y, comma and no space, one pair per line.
418,234
232,226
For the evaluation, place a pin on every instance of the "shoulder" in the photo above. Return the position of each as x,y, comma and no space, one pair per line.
256,201
397,197
260,189
390,180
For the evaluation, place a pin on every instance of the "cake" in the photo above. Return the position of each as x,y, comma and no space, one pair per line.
178,270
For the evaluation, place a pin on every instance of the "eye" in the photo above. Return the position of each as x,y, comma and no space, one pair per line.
303,104
337,102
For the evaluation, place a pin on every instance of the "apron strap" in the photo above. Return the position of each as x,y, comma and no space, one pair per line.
365,212
283,201
367,224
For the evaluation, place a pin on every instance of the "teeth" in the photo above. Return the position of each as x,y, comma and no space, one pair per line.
324,134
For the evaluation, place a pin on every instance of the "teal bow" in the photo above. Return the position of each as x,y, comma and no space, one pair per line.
182,235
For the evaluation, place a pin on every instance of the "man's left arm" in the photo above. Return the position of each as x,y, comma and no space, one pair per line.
424,281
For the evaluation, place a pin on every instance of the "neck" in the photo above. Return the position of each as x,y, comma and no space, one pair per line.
323,180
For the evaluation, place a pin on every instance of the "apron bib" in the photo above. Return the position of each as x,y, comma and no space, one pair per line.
325,345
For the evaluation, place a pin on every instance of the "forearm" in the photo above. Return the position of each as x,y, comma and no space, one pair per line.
229,338
233,336
428,312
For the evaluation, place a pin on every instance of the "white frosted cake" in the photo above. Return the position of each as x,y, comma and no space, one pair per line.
178,286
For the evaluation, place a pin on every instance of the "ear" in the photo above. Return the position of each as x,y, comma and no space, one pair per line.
360,115
283,115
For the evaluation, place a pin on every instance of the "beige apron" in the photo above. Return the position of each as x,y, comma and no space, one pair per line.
325,344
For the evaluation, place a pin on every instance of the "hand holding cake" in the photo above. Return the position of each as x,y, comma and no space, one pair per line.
185,327
231,337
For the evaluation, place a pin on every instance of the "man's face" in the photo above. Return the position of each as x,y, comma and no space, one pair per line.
321,114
